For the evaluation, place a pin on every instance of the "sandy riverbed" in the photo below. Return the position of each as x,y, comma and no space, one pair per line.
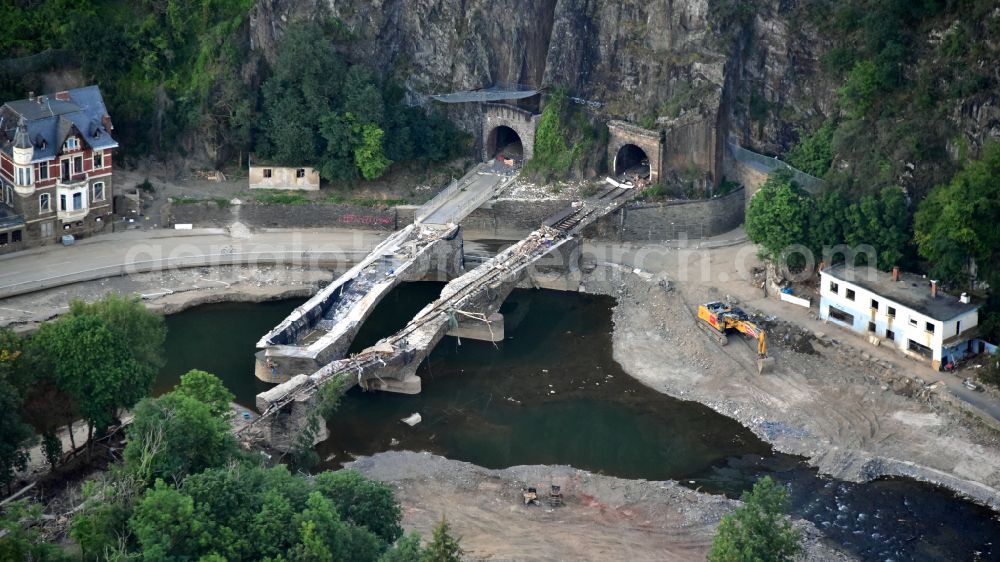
604,518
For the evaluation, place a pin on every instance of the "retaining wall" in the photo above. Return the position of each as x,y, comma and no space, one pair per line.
673,220
318,215
509,216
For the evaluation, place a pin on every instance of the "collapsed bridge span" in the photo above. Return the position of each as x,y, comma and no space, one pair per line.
391,364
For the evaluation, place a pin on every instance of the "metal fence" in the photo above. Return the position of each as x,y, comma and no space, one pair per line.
769,164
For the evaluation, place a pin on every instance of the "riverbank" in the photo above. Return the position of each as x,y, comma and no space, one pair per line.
171,291
604,518
852,415
848,414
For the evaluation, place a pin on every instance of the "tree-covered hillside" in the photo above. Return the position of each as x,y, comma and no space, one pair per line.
179,77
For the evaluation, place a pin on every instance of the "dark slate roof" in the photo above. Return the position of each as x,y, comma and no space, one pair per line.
912,291
49,121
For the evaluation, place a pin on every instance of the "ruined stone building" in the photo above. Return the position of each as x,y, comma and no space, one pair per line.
55,168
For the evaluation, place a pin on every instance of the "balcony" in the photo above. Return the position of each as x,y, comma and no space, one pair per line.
78,181
72,200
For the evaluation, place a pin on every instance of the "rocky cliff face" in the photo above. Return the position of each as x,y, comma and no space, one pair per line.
753,76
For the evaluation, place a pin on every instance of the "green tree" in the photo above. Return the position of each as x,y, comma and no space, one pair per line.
207,389
369,155
882,222
814,152
860,91
443,547
165,525
176,435
406,549
14,433
777,218
52,447
101,527
143,331
956,224
758,530
826,224
92,364
19,537
363,502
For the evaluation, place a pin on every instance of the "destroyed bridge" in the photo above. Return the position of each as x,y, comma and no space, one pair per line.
307,350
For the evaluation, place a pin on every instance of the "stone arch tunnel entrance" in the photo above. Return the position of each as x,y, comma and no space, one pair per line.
632,160
504,141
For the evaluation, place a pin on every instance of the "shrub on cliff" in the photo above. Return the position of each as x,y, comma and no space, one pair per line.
565,141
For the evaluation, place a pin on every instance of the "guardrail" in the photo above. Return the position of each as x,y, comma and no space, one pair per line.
443,196
316,258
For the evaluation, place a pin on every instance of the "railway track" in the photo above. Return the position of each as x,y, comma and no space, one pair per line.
553,233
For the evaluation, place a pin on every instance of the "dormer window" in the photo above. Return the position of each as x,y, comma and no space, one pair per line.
72,143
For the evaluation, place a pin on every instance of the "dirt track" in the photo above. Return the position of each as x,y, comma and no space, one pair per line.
843,407
604,518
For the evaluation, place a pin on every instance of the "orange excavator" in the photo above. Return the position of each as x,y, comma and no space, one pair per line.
718,319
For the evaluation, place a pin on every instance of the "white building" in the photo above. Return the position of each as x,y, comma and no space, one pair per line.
282,177
903,309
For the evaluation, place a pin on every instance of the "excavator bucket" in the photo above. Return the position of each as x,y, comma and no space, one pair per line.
764,365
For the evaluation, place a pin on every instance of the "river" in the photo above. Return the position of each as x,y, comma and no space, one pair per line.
551,393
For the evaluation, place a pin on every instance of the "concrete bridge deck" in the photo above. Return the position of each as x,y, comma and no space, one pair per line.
322,329
391,364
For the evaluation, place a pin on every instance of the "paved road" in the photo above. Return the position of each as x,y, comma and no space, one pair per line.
107,255
477,189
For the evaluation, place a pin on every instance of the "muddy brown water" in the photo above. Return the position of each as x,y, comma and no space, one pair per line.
551,393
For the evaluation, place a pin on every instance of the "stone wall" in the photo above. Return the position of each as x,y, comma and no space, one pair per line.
523,123
650,141
750,177
318,215
674,220
512,217
694,141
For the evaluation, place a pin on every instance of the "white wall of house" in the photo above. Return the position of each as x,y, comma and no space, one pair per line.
876,315
277,177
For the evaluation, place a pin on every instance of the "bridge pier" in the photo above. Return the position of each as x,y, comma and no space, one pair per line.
286,426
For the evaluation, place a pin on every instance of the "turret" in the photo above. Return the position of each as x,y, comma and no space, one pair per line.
24,151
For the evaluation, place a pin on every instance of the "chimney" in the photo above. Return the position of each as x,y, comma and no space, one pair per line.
964,299
933,289
31,96
895,274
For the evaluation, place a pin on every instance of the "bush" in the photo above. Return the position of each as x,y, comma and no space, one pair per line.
758,530
564,141
814,152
